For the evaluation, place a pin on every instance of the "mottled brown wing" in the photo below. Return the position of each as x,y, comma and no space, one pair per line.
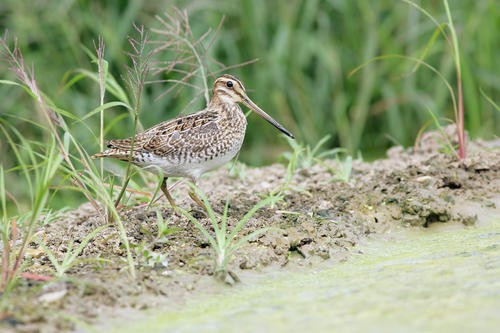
173,135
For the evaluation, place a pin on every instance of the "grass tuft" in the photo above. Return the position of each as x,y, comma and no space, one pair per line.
40,171
71,254
225,243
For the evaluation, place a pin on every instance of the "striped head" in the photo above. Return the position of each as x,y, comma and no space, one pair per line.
229,89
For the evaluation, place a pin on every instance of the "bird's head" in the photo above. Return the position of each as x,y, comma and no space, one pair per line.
229,89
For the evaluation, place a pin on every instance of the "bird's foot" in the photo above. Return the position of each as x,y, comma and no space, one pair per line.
227,276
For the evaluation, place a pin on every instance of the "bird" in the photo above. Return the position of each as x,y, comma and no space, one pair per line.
191,145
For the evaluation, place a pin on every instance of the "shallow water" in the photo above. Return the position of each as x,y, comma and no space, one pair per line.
444,279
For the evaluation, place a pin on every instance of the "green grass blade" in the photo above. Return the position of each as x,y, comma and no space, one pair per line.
83,244
104,107
200,227
248,215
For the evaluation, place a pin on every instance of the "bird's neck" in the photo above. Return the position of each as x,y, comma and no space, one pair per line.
221,100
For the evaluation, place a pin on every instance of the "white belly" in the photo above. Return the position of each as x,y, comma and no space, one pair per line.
193,169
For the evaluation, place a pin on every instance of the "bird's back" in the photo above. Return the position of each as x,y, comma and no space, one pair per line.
186,146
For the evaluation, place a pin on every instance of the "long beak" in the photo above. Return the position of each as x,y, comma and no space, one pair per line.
264,115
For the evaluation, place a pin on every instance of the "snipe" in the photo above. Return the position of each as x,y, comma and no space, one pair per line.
191,145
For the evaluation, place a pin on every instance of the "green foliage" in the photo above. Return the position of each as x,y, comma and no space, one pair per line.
67,155
39,171
450,37
342,172
70,257
446,144
164,229
223,243
304,157
146,257
305,50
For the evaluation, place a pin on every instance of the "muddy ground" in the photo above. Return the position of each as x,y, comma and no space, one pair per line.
318,220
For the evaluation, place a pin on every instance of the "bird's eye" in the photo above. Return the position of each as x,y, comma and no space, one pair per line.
229,84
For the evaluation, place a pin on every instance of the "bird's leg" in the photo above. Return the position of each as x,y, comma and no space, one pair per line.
196,199
164,189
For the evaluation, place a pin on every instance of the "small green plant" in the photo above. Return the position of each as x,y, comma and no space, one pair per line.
342,173
304,157
344,169
452,41
70,257
146,257
446,145
73,162
223,243
164,229
287,184
39,172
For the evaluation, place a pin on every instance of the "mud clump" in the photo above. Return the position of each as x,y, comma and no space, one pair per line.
319,219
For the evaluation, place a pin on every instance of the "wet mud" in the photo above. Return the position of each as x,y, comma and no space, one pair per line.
319,219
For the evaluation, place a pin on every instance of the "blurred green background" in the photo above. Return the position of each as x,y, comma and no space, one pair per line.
306,49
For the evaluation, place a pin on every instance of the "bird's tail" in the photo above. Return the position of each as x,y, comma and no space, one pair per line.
113,153
98,155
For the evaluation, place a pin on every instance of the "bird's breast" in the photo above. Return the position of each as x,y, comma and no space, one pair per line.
207,147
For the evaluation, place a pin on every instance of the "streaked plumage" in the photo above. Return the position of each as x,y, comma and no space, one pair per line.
194,144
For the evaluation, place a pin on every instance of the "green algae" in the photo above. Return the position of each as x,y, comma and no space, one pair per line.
436,279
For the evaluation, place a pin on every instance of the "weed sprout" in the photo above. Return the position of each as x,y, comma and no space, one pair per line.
224,243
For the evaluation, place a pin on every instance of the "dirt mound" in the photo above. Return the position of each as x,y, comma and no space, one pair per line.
318,219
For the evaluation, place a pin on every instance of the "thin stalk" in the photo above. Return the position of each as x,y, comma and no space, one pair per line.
102,91
136,80
201,65
460,114
202,69
129,164
41,196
